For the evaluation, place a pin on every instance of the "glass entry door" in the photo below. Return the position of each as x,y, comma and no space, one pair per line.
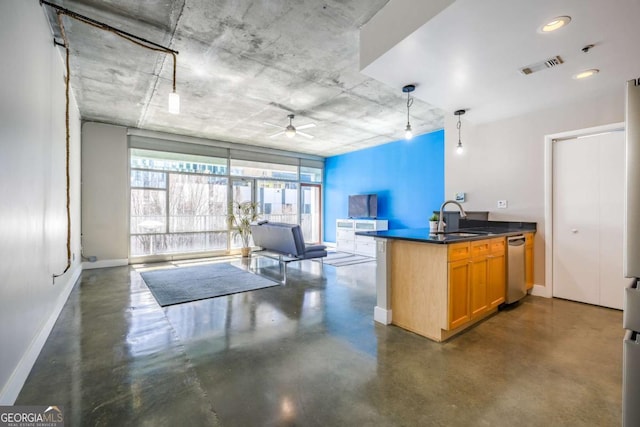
277,200
282,201
311,212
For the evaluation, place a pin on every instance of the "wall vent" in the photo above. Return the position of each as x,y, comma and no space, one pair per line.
549,63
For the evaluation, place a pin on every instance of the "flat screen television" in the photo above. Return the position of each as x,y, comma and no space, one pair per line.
363,206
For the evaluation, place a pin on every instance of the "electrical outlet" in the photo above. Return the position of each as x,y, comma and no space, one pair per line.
502,204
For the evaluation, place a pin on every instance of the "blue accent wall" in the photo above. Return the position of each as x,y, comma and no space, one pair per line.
407,176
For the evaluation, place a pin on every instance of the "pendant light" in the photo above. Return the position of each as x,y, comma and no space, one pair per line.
174,98
459,148
174,103
408,133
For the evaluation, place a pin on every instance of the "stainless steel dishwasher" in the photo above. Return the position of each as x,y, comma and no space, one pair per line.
516,286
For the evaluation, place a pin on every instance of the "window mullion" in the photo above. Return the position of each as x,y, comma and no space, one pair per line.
167,203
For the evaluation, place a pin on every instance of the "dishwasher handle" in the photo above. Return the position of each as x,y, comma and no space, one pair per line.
516,240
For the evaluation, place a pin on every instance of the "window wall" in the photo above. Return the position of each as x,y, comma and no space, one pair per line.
180,202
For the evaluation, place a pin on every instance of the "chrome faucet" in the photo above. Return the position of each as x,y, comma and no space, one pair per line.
463,214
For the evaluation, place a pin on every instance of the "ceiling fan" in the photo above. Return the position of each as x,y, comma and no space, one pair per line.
290,130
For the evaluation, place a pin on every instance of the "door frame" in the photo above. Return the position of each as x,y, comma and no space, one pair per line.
547,289
319,187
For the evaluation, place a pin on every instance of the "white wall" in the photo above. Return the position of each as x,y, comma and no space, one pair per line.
33,222
506,160
392,24
105,194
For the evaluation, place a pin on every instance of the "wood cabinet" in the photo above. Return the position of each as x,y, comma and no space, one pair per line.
477,279
419,274
459,309
496,278
439,290
477,286
528,260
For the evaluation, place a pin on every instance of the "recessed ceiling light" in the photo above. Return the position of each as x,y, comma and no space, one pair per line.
586,73
555,24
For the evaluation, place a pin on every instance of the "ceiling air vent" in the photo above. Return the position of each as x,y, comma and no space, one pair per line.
549,63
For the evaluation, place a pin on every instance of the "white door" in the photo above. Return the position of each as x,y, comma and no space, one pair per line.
612,179
576,215
588,198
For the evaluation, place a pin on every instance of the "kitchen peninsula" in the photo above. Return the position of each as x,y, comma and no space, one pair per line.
439,284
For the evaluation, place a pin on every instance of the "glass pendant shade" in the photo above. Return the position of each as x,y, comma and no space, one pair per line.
408,133
174,103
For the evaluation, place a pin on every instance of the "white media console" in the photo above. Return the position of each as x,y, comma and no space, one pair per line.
347,241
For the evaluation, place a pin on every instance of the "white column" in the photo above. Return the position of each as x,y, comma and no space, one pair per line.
382,311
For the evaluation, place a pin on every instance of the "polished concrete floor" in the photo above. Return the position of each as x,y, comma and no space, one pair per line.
309,354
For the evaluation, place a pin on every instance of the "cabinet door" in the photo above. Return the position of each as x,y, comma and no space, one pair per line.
478,286
365,225
459,251
496,279
459,312
365,246
480,247
345,224
344,234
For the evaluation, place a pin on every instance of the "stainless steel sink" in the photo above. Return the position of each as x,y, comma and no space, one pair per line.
462,233
475,232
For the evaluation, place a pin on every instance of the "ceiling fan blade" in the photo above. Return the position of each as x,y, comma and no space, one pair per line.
271,124
306,135
310,125
276,134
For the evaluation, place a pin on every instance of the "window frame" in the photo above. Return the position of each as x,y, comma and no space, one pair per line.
287,161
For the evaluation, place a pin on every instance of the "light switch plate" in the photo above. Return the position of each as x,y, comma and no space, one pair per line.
460,197
502,204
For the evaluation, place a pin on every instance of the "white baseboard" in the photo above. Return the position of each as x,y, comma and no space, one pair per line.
382,315
11,389
541,291
331,245
105,263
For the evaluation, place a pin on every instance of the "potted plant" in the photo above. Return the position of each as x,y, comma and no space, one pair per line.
241,215
433,223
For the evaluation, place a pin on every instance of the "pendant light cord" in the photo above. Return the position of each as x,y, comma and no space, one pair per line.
127,36
139,41
459,125
409,104
67,144
105,27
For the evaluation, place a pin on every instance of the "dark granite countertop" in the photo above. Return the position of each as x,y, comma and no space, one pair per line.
468,230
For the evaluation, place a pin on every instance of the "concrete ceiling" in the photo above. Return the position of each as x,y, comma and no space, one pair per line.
469,55
241,63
